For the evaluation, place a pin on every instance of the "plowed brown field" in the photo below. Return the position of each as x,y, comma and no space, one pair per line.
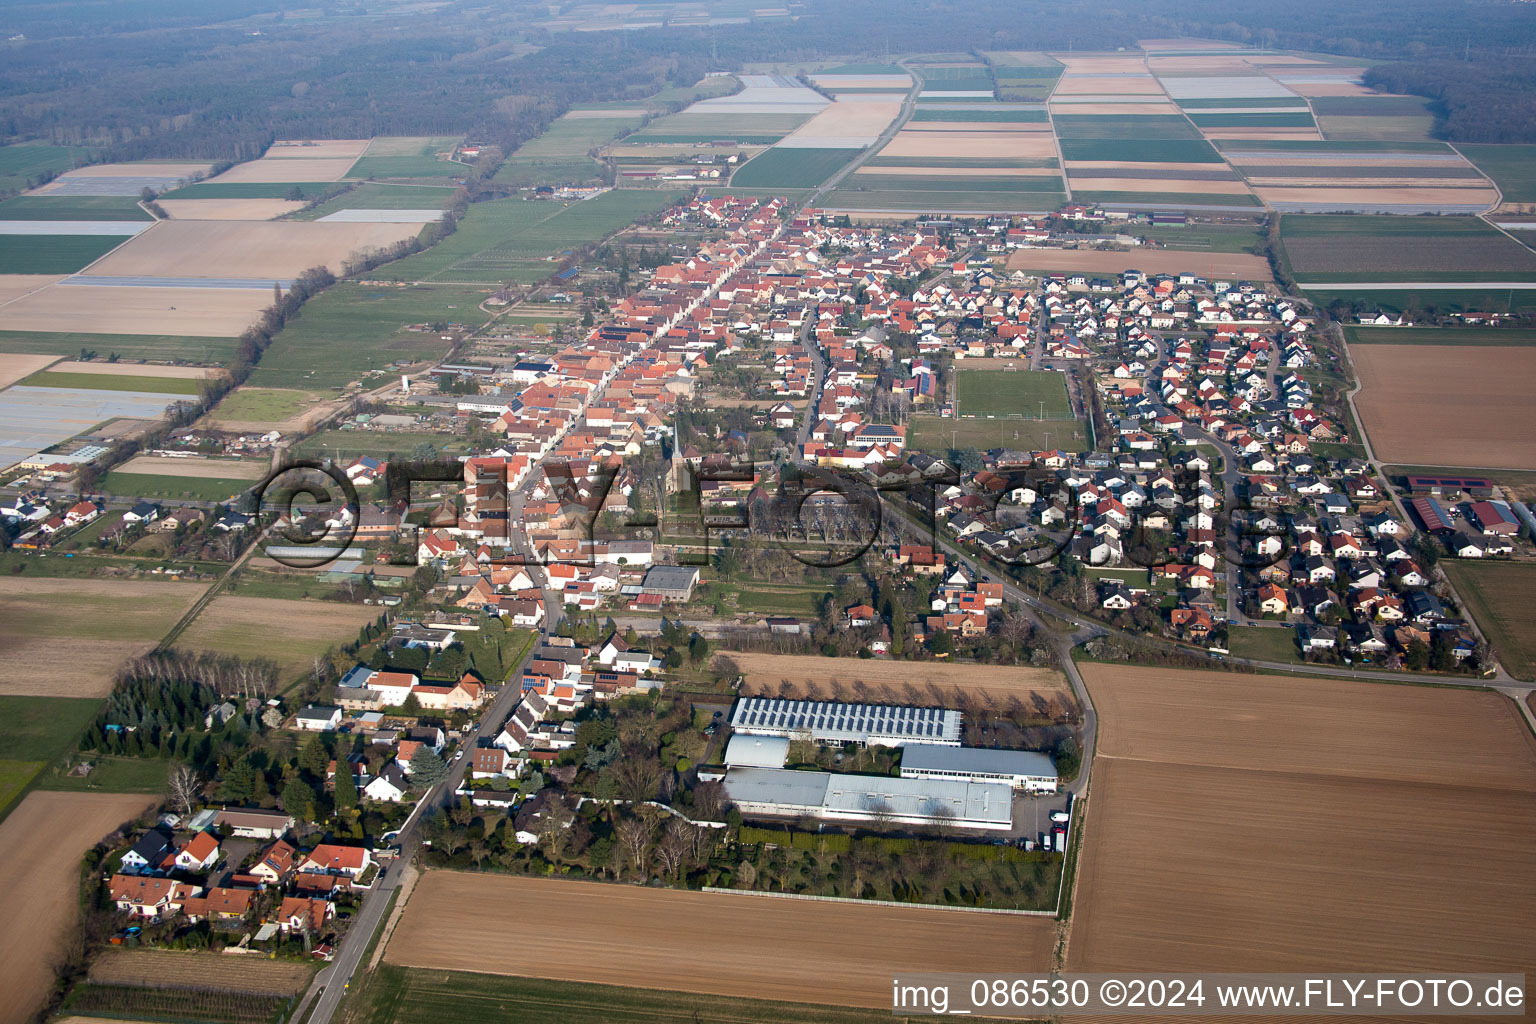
751,946
1439,405
41,844
794,675
1152,261
1262,823
253,974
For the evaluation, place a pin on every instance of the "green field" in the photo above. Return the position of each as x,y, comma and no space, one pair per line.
151,485
560,154
113,382
1212,237
361,328
940,183
1368,106
249,190
54,254
1291,120
514,239
39,730
399,995
1020,393
28,160
864,69
957,161
409,157
1440,336
1384,129
1308,225
792,168
1124,126
129,346
1263,643
1023,116
1444,300
1512,168
379,196
939,434
707,127
695,138
343,445
72,208
1132,150
1165,198
1198,103
1500,596
1335,146
847,198
260,405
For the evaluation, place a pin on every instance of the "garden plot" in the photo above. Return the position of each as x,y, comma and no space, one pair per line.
246,249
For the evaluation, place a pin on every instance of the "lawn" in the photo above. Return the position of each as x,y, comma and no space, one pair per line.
54,254
1263,643
1500,596
112,775
249,190
938,434
129,346
401,995
30,160
72,208
411,157
514,239
792,168
1512,168
261,405
363,327
113,382
151,485
778,601
1014,393
342,445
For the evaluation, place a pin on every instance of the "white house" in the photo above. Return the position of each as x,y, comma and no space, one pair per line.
318,718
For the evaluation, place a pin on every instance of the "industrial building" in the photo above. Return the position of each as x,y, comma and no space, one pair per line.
670,582
870,799
1028,770
745,751
833,722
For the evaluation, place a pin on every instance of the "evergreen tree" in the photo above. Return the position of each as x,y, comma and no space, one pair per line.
427,769
314,759
299,800
346,786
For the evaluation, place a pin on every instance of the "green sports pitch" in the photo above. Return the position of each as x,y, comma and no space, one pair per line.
1025,394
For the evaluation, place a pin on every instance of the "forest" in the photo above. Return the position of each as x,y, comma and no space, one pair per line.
172,78
1476,101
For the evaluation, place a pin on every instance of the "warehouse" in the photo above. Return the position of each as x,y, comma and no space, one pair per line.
745,751
870,799
834,722
1028,770
670,582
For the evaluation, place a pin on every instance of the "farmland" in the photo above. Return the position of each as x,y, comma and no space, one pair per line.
760,947
515,239
262,405
398,995
1451,405
1274,766
1324,249
246,626
53,254
560,154
41,844
363,327
407,158
154,318
82,629
987,393
938,434
1512,168
1216,264
172,486
112,382
22,163
245,249
153,968
200,349
927,683
1500,596
379,196
250,190
72,208
1440,336
38,731
197,468
792,168
15,367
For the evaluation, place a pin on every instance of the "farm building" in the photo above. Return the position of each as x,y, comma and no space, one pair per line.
1028,770
833,722
828,796
1477,487
670,582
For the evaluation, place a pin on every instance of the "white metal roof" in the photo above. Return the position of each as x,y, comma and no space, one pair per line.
836,722
977,759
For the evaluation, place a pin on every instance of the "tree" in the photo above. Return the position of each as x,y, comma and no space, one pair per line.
237,785
186,789
636,774
634,836
346,786
555,826
314,759
299,800
427,769
941,642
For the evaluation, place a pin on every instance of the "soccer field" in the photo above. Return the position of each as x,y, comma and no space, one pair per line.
1014,393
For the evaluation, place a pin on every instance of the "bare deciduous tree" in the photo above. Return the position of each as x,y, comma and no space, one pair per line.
186,789
634,836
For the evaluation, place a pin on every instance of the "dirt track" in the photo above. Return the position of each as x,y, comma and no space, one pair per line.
1257,823
758,947
41,844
